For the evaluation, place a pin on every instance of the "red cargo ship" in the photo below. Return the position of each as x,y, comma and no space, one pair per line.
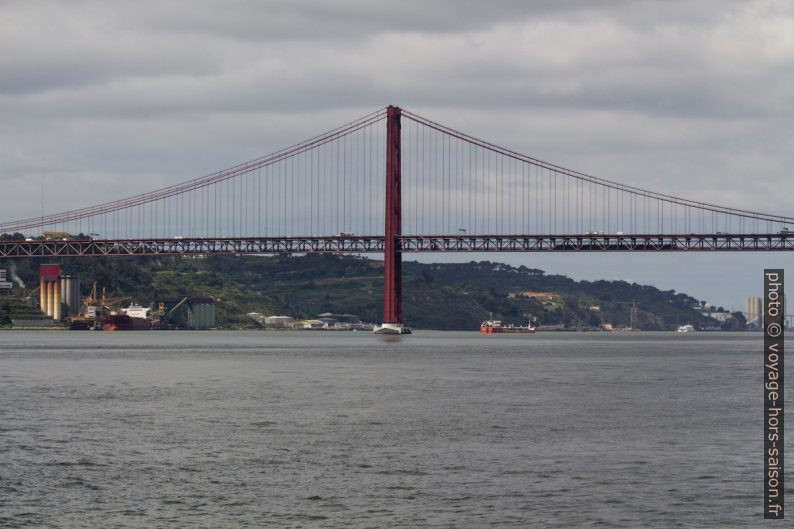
122,322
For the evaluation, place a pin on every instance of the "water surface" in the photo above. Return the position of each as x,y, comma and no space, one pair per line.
315,429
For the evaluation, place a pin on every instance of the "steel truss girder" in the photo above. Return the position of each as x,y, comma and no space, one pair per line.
406,243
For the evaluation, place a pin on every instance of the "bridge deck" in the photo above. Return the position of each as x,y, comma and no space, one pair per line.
406,243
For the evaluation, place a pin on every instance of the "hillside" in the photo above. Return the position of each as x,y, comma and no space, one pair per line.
436,296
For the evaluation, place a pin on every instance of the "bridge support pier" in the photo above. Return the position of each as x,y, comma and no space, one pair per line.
392,256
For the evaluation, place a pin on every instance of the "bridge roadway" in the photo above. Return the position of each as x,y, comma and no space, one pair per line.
406,243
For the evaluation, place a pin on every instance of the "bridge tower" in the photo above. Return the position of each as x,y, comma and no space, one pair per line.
392,256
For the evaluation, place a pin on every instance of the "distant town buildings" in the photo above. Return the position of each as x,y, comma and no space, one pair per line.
330,317
324,321
4,284
721,317
279,321
257,317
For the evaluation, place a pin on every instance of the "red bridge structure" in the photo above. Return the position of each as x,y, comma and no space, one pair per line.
443,191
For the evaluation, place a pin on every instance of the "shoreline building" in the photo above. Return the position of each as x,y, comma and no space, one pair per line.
186,313
59,295
279,321
4,283
754,311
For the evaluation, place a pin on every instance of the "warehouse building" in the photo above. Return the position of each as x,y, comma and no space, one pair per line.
186,313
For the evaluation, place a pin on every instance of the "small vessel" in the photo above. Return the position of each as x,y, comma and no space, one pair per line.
391,328
492,326
686,328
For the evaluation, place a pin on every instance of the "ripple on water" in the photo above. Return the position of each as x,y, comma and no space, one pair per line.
439,430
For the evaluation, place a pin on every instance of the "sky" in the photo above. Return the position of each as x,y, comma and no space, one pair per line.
101,100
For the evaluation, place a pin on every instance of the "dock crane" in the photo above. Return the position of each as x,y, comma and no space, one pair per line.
165,317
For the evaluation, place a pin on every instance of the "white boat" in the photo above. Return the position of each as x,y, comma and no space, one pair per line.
391,328
686,328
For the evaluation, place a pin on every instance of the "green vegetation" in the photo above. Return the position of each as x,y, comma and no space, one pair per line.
436,296
15,308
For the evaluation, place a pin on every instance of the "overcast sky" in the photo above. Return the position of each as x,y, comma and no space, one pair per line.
100,100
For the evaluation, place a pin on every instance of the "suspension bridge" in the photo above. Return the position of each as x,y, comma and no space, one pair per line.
393,182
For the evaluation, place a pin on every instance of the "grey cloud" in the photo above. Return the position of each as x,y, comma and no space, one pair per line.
347,19
105,99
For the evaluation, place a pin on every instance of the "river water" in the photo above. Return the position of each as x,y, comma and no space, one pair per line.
314,429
